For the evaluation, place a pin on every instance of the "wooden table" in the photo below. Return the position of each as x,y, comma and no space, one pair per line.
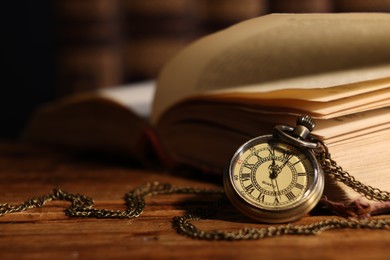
27,171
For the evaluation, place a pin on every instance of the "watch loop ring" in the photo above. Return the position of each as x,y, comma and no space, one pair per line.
284,132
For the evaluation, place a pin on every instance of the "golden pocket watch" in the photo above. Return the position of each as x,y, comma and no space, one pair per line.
276,178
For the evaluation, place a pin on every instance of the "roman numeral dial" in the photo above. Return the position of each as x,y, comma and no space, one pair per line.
273,179
272,175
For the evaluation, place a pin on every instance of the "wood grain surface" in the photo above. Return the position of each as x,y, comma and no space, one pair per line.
27,171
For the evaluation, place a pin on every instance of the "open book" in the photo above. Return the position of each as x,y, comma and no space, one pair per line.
238,83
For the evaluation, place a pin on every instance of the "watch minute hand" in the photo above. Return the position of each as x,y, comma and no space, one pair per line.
287,159
272,170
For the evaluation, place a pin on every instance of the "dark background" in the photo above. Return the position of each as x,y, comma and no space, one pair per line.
36,38
28,48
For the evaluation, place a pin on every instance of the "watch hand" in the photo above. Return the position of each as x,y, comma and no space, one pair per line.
278,169
277,187
273,187
284,164
273,174
286,157
274,170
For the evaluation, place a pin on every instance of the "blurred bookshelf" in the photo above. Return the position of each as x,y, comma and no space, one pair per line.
57,48
110,42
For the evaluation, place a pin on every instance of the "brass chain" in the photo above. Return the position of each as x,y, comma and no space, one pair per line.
82,206
183,226
330,167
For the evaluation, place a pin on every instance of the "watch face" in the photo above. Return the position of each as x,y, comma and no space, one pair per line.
271,175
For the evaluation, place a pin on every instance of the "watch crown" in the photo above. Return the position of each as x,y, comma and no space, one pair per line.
300,134
306,121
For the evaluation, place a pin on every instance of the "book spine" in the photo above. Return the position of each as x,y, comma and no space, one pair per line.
89,39
301,6
362,5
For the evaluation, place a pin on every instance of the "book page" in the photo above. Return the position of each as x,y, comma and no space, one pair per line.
135,96
313,94
324,109
279,51
366,158
335,102
352,123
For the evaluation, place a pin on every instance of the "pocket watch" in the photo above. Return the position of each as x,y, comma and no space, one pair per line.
276,178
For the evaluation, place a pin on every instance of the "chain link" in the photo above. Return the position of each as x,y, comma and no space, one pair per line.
183,226
330,167
82,206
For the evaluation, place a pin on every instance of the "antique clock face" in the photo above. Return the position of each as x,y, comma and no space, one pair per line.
273,181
